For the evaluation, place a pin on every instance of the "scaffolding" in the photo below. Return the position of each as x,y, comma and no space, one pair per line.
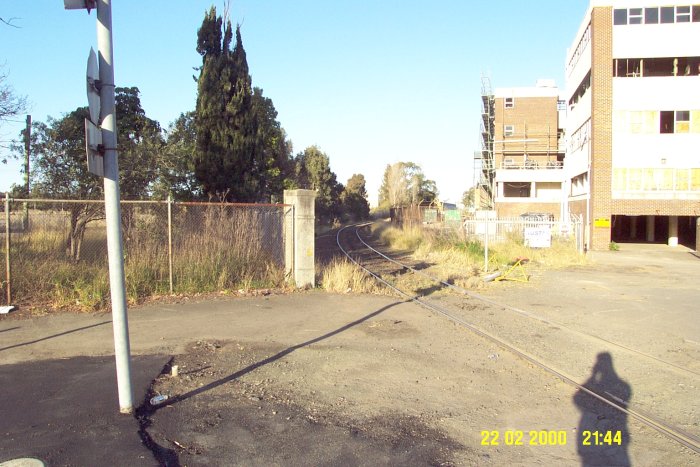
484,166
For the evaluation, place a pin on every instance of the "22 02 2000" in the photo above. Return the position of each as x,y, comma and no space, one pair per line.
523,438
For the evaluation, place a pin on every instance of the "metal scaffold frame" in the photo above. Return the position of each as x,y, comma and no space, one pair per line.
484,167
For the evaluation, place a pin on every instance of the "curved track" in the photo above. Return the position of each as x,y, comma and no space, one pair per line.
383,268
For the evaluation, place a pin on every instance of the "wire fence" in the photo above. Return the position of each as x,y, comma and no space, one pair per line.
536,232
55,251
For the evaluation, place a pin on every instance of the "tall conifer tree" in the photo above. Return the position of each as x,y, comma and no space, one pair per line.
226,127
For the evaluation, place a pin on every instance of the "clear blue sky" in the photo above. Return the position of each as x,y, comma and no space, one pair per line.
369,82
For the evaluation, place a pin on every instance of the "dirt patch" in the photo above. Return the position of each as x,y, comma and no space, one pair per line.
219,413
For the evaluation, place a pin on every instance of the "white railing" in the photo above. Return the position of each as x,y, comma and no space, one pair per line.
530,164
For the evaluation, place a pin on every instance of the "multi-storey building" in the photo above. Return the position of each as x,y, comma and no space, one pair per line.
633,121
527,151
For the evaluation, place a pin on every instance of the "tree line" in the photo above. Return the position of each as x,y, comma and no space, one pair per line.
231,147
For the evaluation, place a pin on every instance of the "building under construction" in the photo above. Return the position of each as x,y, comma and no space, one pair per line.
520,165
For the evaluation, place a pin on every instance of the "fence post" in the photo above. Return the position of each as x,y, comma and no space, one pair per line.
8,269
170,241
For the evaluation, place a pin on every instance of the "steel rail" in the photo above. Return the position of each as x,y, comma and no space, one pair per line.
525,313
671,432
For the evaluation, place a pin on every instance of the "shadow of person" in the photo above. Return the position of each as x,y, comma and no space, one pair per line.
602,436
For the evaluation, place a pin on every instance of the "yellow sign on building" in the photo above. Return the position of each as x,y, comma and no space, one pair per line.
601,222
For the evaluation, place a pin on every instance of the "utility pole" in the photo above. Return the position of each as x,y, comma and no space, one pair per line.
108,124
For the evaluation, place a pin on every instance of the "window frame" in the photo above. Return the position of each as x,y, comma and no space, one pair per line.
647,15
685,16
508,102
620,16
637,17
670,12
508,130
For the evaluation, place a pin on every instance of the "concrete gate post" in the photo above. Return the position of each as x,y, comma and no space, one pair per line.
299,244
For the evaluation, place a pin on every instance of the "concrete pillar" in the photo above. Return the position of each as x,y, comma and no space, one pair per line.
672,230
697,235
650,228
299,255
633,227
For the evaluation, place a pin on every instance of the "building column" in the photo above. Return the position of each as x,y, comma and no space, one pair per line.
672,230
650,228
633,227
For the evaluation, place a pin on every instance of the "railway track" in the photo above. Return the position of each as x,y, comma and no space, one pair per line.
386,269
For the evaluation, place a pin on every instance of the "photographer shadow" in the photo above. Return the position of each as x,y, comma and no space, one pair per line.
602,436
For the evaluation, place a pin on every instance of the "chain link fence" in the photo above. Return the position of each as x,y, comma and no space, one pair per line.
55,251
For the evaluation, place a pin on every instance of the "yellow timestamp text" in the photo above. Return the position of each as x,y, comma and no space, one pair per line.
523,438
601,438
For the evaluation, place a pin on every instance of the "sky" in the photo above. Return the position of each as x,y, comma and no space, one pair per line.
370,83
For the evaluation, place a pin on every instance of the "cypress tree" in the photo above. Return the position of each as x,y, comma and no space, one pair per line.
226,127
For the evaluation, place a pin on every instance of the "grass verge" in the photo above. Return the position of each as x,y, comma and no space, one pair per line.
342,276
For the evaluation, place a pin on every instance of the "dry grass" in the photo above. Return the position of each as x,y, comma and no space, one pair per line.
215,249
461,262
342,276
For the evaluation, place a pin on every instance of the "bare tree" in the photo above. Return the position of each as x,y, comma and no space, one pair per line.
11,105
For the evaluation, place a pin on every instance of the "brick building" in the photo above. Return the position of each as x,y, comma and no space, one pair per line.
632,165
528,153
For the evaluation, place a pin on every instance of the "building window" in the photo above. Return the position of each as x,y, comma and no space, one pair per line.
516,190
627,67
682,14
508,130
635,16
668,14
696,13
651,15
509,103
682,121
649,67
620,16
674,122
667,121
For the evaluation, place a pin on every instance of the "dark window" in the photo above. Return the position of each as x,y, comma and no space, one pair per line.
681,67
668,14
683,14
509,103
627,67
516,190
696,13
651,15
635,16
682,115
667,121
620,16
659,66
